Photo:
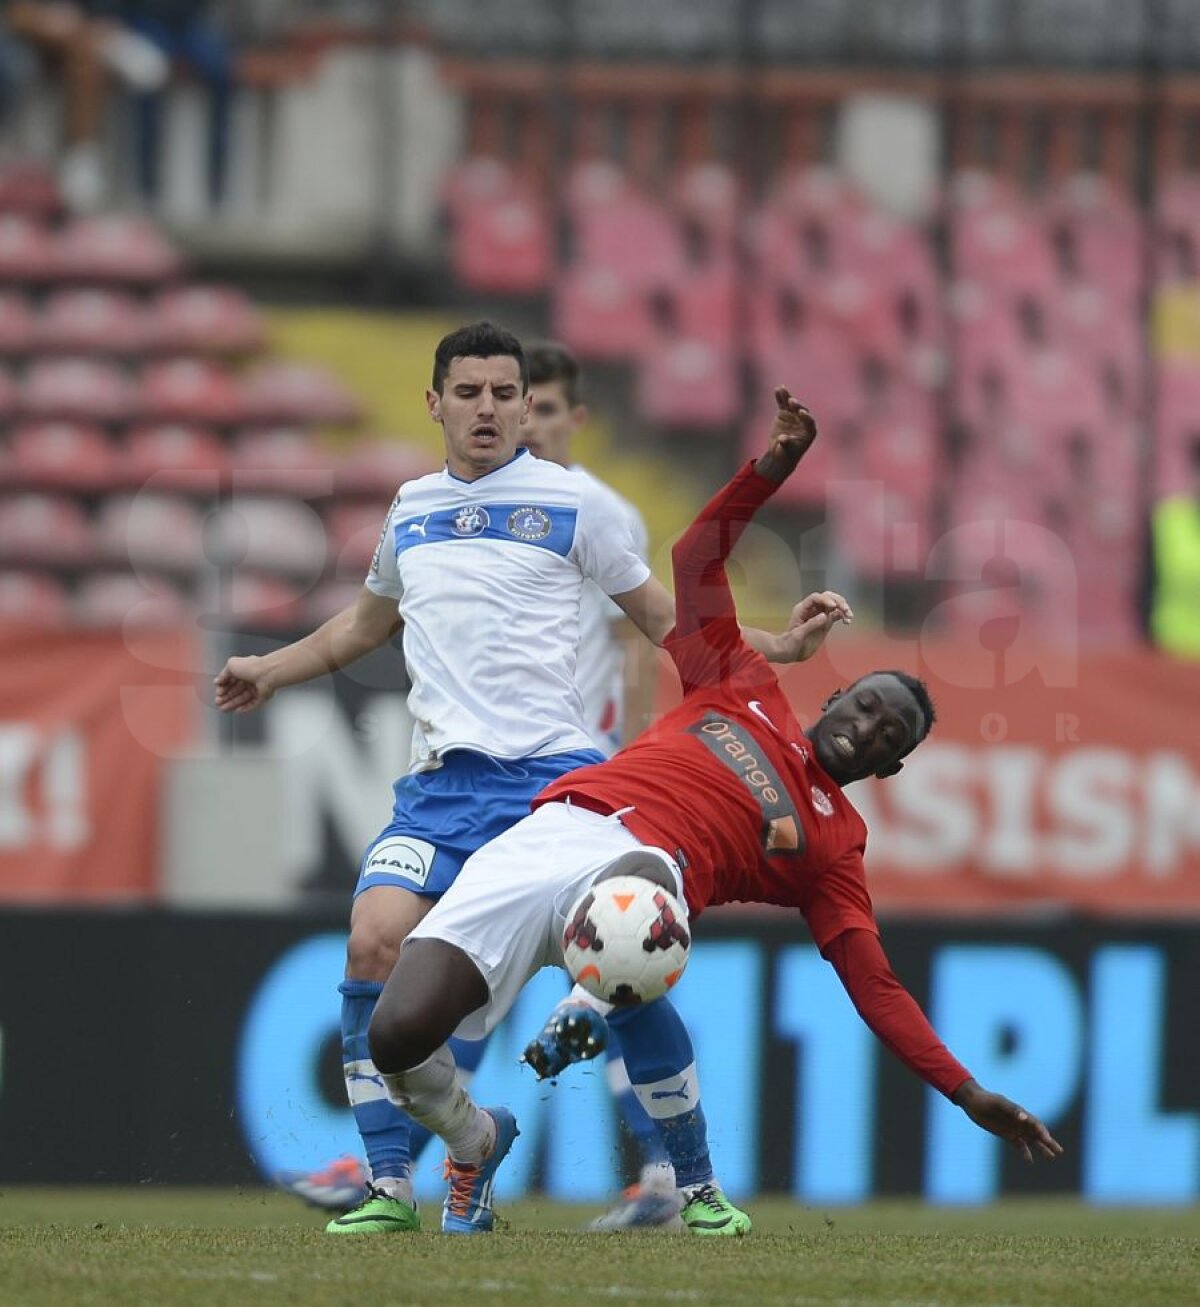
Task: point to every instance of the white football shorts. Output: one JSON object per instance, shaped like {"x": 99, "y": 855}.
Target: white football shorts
{"x": 508, "y": 907}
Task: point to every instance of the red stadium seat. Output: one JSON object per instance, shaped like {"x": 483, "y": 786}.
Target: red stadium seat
{"x": 601, "y": 314}
{"x": 879, "y": 530}
{"x": 480, "y": 179}
{"x": 48, "y": 529}
{"x": 115, "y": 248}
{"x": 818, "y": 191}
{"x": 62, "y": 455}
{"x": 16, "y": 324}
{"x": 297, "y": 393}
{"x": 207, "y": 320}
{"x": 594, "y": 183}
{"x": 282, "y": 460}
{"x": 175, "y": 457}
{"x": 503, "y": 247}
{"x": 35, "y": 597}
{"x": 380, "y": 467}
{"x": 27, "y": 250}
{"x": 704, "y": 303}
{"x": 633, "y": 236}
{"x": 903, "y": 455}
{"x": 1005, "y": 248}
{"x": 190, "y": 391}
{"x": 709, "y": 195}
{"x": 75, "y": 389}
{"x": 91, "y": 322}
{"x": 353, "y": 531}
{"x": 29, "y": 188}
{"x": 688, "y": 382}
{"x": 123, "y": 599}
{"x": 151, "y": 532}
{"x": 271, "y": 536}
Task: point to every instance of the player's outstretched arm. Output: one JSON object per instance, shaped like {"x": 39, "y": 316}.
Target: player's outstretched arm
{"x": 246, "y": 683}
{"x": 792, "y": 434}
{"x": 1001, "y": 1116}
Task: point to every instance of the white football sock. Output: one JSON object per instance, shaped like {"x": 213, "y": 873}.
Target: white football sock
{"x": 432, "y": 1095}
{"x": 395, "y": 1187}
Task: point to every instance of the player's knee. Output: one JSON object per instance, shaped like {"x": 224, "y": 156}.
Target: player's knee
{"x": 399, "y": 1038}
{"x": 372, "y": 949}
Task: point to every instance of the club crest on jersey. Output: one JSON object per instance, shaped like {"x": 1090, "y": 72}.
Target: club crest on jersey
{"x": 822, "y": 802}
{"x": 470, "y": 520}
{"x": 529, "y": 524}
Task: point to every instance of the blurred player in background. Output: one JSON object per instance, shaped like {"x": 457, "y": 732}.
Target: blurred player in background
{"x": 481, "y": 565}
{"x": 725, "y": 799}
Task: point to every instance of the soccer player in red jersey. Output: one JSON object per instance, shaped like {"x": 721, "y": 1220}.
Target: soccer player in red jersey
{"x": 726, "y": 799}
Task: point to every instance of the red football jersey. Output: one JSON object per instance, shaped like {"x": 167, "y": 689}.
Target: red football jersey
{"x": 727, "y": 782}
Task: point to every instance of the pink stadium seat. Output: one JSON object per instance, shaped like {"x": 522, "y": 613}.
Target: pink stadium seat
{"x": 1006, "y": 248}
{"x": 173, "y": 456}
{"x": 47, "y": 529}
{"x": 10, "y": 396}
{"x": 600, "y": 313}
{"x": 16, "y": 324}
{"x": 298, "y": 393}
{"x": 123, "y": 599}
{"x": 151, "y": 531}
{"x": 271, "y": 536}
{"x": 902, "y": 455}
{"x": 860, "y": 311}
{"x": 708, "y": 195}
{"x": 633, "y": 236}
{"x": 593, "y": 184}
{"x": 282, "y": 460}
{"x": 480, "y": 179}
{"x": 190, "y": 391}
{"x": 91, "y": 322}
{"x": 207, "y": 320}
{"x": 328, "y": 599}
{"x": 504, "y": 247}
{"x": 115, "y": 248}
{"x": 267, "y": 602}
{"x": 29, "y": 188}
{"x": 704, "y": 303}
{"x": 379, "y": 467}
{"x": 877, "y": 529}
{"x": 819, "y": 190}
{"x": 35, "y": 597}
{"x": 1056, "y": 395}
{"x": 688, "y": 382}
{"x": 26, "y": 249}
{"x": 85, "y": 390}
{"x": 353, "y": 530}
{"x": 62, "y": 455}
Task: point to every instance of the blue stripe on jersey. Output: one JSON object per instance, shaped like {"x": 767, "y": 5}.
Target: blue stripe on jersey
{"x": 524, "y": 524}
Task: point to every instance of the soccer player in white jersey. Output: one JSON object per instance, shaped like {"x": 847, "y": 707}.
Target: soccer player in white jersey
{"x": 481, "y": 564}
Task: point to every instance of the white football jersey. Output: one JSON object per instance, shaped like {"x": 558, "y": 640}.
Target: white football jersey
{"x": 488, "y": 576}
{"x": 600, "y": 671}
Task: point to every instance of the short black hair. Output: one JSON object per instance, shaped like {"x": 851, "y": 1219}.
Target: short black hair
{"x": 550, "y": 361}
{"x": 920, "y": 692}
{"x": 477, "y": 340}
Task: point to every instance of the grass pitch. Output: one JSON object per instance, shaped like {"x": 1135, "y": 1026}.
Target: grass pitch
{"x": 155, "y": 1247}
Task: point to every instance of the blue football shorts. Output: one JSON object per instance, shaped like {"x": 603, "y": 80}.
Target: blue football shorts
{"x": 441, "y": 817}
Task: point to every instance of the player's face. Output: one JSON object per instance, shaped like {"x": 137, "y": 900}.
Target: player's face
{"x": 867, "y": 729}
{"x": 481, "y": 409}
{"x": 552, "y": 422}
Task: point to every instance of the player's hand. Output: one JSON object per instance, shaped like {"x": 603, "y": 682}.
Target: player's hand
{"x": 811, "y": 621}
{"x": 1001, "y": 1116}
{"x": 242, "y": 685}
{"x": 792, "y": 432}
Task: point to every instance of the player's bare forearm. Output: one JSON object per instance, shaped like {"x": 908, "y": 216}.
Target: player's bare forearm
{"x": 641, "y": 682}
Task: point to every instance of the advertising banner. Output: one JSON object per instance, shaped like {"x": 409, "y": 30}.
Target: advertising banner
{"x": 189, "y": 1049}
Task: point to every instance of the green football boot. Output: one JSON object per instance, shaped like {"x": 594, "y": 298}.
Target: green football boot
{"x": 708, "y": 1211}
{"x": 378, "y": 1213}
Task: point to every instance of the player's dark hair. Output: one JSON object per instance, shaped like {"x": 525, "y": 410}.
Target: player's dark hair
{"x": 477, "y": 340}
{"x": 549, "y": 361}
{"x": 920, "y": 692}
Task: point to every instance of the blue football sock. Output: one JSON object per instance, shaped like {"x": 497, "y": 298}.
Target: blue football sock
{"x": 662, "y": 1070}
{"x": 468, "y": 1053}
{"x": 383, "y": 1127}
{"x": 637, "y": 1121}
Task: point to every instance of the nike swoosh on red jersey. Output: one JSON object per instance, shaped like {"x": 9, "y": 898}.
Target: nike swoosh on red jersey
{"x": 756, "y": 708}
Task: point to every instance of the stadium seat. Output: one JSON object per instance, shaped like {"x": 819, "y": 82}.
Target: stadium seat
{"x": 10, "y": 396}
{"x": 175, "y": 457}
{"x": 704, "y": 303}
{"x": 600, "y": 314}
{"x": 115, "y": 248}
{"x": 16, "y": 324}
{"x": 190, "y": 391}
{"x": 353, "y": 530}
{"x": 503, "y": 248}
{"x": 27, "y": 250}
{"x": 632, "y": 236}
{"x": 818, "y": 190}
{"x": 151, "y": 531}
{"x": 686, "y": 381}
{"x": 901, "y": 454}
{"x": 282, "y": 460}
{"x": 709, "y": 195}
{"x": 479, "y": 179}
{"x": 123, "y": 599}
{"x": 820, "y": 367}
{"x": 62, "y": 455}
{"x": 273, "y": 536}
{"x": 46, "y": 529}
{"x": 29, "y": 188}
{"x": 206, "y": 320}
{"x": 379, "y": 467}
{"x": 299, "y": 394}
{"x": 91, "y": 322}
{"x": 35, "y": 597}
{"x": 1005, "y": 248}
{"x": 878, "y": 530}
{"x": 75, "y": 389}
{"x": 593, "y": 184}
